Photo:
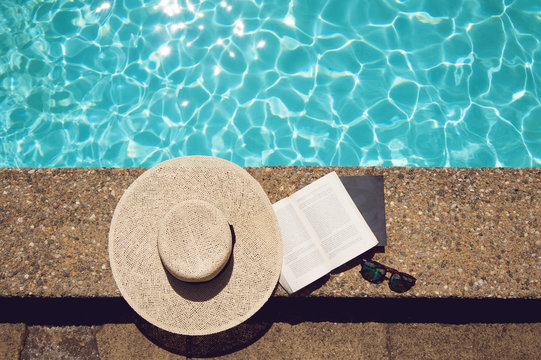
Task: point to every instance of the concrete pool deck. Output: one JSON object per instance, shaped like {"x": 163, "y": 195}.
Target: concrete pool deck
{"x": 462, "y": 232}
{"x": 306, "y": 340}
{"x": 470, "y": 236}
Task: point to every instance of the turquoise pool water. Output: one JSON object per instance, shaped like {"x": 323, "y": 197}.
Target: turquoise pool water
{"x": 271, "y": 82}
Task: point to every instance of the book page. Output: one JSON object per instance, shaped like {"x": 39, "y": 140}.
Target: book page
{"x": 341, "y": 230}
{"x": 303, "y": 260}
{"x": 321, "y": 230}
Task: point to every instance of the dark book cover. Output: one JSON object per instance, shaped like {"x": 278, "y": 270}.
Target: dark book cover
{"x": 367, "y": 194}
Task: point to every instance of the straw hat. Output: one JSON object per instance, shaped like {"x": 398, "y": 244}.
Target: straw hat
{"x": 195, "y": 246}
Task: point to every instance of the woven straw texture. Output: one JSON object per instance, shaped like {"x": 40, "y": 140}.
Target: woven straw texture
{"x": 194, "y": 241}
{"x": 239, "y": 290}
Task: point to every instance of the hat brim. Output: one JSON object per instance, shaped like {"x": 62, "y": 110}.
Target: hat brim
{"x": 242, "y": 287}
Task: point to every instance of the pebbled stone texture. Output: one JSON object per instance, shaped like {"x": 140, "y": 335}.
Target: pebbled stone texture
{"x": 12, "y": 338}
{"x": 279, "y": 340}
{"x": 462, "y": 232}
{"x": 126, "y": 341}
{"x": 467, "y": 341}
{"x": 307, "y": 340}
{"x": 67, "y": 342}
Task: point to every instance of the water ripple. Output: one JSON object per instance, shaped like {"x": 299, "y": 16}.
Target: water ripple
{"x": 269, "y": 82}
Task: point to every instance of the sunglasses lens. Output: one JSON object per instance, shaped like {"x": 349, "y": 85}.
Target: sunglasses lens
{"x": 401, "y": 282}
{"x": 372, "y": 272}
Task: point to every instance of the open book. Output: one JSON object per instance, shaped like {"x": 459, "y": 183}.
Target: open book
{"x": 321, "y": 230}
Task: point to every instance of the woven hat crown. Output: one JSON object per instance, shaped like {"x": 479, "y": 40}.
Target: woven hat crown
{"x": 194, "y": 241}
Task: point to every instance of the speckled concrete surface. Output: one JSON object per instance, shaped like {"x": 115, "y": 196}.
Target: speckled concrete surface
{"x": 125, "y": 341}
{"x": 306, "y": 340}
{"x": 467, "y": 341}
{"x": 11, "y": 340}
{"x": 462, "y": 232}
{"x": 67, "y": 342}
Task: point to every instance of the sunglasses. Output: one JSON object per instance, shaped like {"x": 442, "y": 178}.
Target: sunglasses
{"x": 375, "y": 273}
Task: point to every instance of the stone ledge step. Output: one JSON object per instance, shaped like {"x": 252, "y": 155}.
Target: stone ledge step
{"x": 308, "y": 340}
{"x": 462, "y": 232}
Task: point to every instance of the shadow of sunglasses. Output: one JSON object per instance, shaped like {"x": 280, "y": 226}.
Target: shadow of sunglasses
{"x": 375, "y": 273}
